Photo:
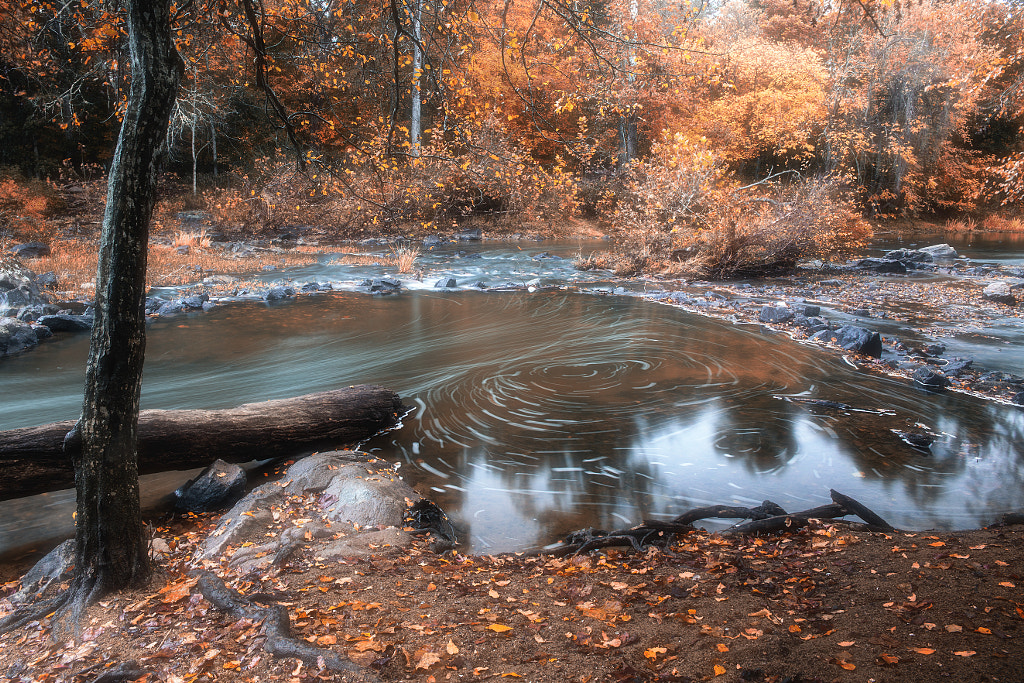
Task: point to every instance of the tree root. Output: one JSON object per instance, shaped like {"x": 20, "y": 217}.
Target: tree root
{"x": 280, "y": 641}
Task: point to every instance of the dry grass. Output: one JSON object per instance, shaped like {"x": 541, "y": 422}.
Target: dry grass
{"x": 404, "y": 257}
{"x": 961, "y": 225}
{"x": 193, "y": 240}
{"x": 74, "y": 264}
{"x": 996, "y": 223}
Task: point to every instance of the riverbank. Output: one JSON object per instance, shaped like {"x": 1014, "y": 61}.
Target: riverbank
{"x": 821, "y": 604}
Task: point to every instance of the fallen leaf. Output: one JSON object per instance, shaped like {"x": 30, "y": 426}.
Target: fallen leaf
{"x": 178, "y": 590}
{"x": 452, "y": 648}
{"x": 428, "y": 660}
{"x": 722, "y": 647}
{"x": 965, "y": 653}
{"x": 499, "y": 628}
{"x": 327, "y": 640}
{"x": 846, "y": 643}
{"x": 887, "y": 659}
{"x": 653, "y": 652}
{"x": 1008, "y": 584}
{"x": 719, "y": 669}
{"x": 923, "y": 650}
{"x": 953, "y": 628}
{"x": 986, "y": 631}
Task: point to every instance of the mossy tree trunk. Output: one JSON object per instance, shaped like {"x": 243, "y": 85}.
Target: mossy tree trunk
{"x": 111, "y": 548}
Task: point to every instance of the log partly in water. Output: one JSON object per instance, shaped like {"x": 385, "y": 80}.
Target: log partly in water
{"x": 32, "y": 459}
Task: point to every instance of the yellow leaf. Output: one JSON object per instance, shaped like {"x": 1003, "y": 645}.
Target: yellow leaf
{"x": 452, "y": 648}
{"x": 719, "y": 669}
{"x": 1008, "y": 584}
{"x": 722, "y": 647}
{"x": 982, "y": 629}
{"x": 499, "y": 628}
{"x": 923, "y": 650}
{"x": 965, "y": 653}
{"x": 653, "y": 652}
{"x": 846, "y": 643}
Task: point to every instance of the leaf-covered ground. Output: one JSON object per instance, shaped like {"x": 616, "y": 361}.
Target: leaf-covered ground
{"x": 820, "y": 604}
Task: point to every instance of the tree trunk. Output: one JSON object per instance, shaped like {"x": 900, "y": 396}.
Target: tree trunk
{"x": 33, "y": 459}
{"x": 415, "y": 116}
{"x": 110, "y": 546}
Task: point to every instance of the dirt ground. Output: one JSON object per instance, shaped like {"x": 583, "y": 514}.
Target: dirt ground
{"x": 820, "y": 604}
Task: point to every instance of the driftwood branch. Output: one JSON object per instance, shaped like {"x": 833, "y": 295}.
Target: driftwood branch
{"x": 34, "y": 460}
{"x": 768, "y": 517}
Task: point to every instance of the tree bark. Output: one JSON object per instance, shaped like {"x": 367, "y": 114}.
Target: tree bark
{"x": 33, "y": 459}
{"x": 110, "y": 546}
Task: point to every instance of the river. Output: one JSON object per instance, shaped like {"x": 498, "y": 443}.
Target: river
{"x": 538, "y": 412}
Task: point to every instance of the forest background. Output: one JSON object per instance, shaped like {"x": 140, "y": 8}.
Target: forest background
{"x": 719, "y": 138}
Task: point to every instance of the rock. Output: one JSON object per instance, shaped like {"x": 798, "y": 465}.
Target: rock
{"x": 30, "y": 250}
{"x": 930, "y": 379}
{"x": 853, "y": 338}
{"x": 957, "y": 366}
{"x": 1001, "y": 293}
{"x": 218, "y": 486}
{"x": 17, "y": 285}
{"x": 908, "y": 255}
{"x": 445, "y": 282}
{"x": 371, "y": 542}
{"x": 279, "y": 293}
{"x": 54, "y": 565}
{"x": 194, "y": 301}
{"x": 1018, "y": 399}
{"x": 67, "y": 322}
{"x": 47, "y": 279}
{"x": 432, "y": 241}
{"x": 169, "y": 308}
{"x": 193, "y": 217}
{"x": 384, "y": 286}
{"x": 470, "y": 235}
{"x": 809, "y": 310}
{"x": 935, "y": 349}
{"x": 775, "y": 314}
{"x": 879, "y": 265}
{"x": 16, "y": 336}
{"x": 861, "y": 313}
{"x": 939, "y": 252}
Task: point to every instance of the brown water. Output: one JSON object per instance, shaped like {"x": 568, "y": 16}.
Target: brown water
{"x": 535, "y": 414}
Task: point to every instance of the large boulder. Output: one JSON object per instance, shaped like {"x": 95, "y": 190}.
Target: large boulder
{"x": 16, "y": 336}
{"x": 218, "y": 486}
{"x": 853, "y": 338}
{"x": 18, "y": 286}
{"x": 939, "y": 252}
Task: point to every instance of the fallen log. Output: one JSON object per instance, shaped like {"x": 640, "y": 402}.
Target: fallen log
{"x": 33, "y": 459}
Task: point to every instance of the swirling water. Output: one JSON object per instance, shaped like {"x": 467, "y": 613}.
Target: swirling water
{"x": 536, "y": 413}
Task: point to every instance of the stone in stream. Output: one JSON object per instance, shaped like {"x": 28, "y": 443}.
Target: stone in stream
{"x": 1000, "y": 293}
{"x": 853, "y": 338}
{"x": 939, "y": 251}
{"x": 67, "y": 322}
{"x": 1018, "y": 399}
{"x": 218, "y": 486}
{"x": 930, "y": 379}
{"x": 879, "y": 265}
{"x": 775, "y": 314}
{"x": 957, "y": 366}
{"x": 445, "y": 282}
{"x": 279, "y": 293}
{"x": 16, "y": 336}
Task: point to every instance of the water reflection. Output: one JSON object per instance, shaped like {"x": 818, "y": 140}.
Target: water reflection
{"x": 535, "y": 414}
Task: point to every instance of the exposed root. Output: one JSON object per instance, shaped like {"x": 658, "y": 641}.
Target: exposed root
{"x": 280, "y": 641}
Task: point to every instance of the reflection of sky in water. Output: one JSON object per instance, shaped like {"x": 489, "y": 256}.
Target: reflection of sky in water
{"x": 536, "y": 414}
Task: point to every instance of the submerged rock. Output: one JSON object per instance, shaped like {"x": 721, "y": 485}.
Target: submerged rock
{"x": 930, "y": 379}
{"x": 879, "y": 265}
{"x": 1000, "y": 293}
{"x": 67, "y": 322}
{"x": 445, "y": 282}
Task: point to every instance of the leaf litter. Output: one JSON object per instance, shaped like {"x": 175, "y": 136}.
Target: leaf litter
{"x": 821, "y": 603}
